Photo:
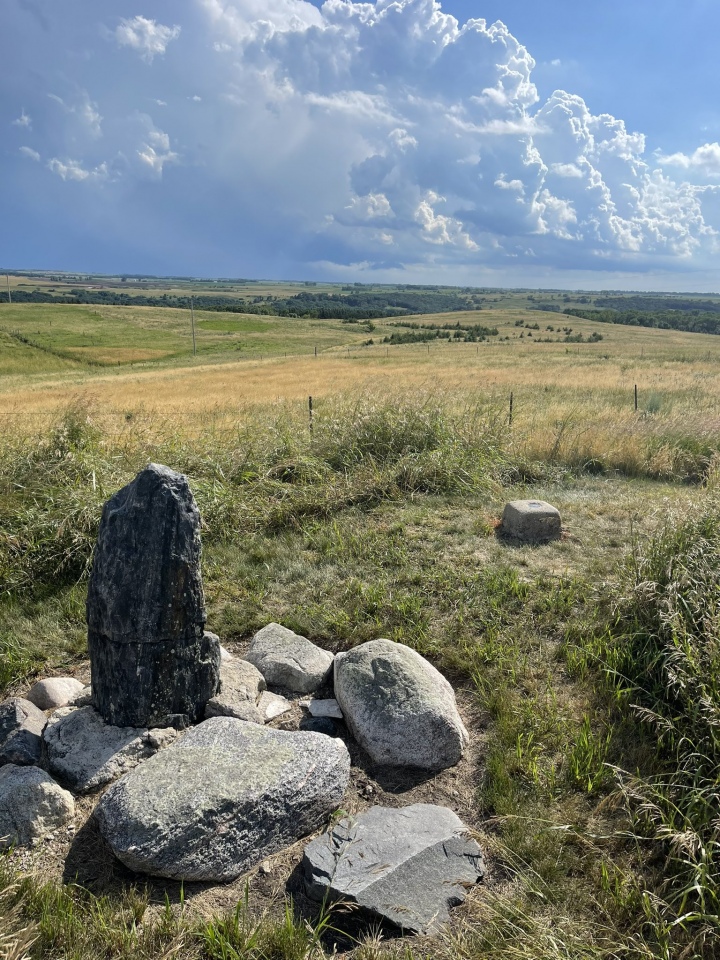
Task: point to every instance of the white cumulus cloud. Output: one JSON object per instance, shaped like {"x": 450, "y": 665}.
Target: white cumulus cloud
{"x": 705, "y": 160}
{"x": 23, "y": 121}
{"x": 148, "y": 37}
{"x": 29, "y": 152}
{"x": 156, "y": 152}
{"x": 73, "y": 170}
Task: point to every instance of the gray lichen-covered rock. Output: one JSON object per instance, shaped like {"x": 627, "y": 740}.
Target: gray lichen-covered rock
{"x": 86, "y": 753}
{"x": 240, "y": 687}
{"x": 54, "y": 692}
{"x": 21, "y": 727}
{"x": 288, "y": 660}
{"x": 406, "y": 865}
{"x": 400, "y": 709}
{"x": 532, "y": 521}
{"x": 223, "y": 798}
{"x": 152, "y": 663}
{"x": 32, "y": 805}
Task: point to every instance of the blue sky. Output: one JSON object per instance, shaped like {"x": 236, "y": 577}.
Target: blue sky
{"x": 568, "y": 144}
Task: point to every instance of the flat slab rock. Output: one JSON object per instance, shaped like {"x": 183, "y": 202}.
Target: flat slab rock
{"x": 408, "y": 866}
{"x": 21, "y": 727}
{"x": 54, "y": 692}
{"x": 532, "y": 521}
{"x": 222, "y": 799}
{"x": 32, "y": 805}
{"x": 86, "y": 753}
{"x": 288, "y": 660}
{"x": 399, "y": 708}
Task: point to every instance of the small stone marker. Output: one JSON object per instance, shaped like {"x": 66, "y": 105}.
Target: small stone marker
{"x": 532, "y": 521}
{"x": 152, "y": 663}
{"x": 21, "y": 727}
{"x": 222, "y": 799}
{"x": 54, "y": 692}
{"x": 407, "y": 865}
{"x": 31, "y": 805}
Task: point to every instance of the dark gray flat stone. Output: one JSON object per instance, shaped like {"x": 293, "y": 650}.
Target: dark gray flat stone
{"x": 408, "y": 866}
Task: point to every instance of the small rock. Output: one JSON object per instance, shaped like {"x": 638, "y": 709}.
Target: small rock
{"x": 86, "y": 753}
{"x": 288, "y": 660}
{"x": 265, "y": 867}
{"x": 21, "y": 727}
{"x": 221, "y": 799}
{"x": 407, "y": 866}
{"x": 32, "y": 806}
{"x": 225, "y": 654}
{"x": 399, "y": 707}
{"x": 323, "y": 708}
{"x": 532, "y": 521}
{"x": 54, "y": 692}
{"x": 240, "y": 686}
{"x": 272, "y": 705}
{"x": 320, "y": 725}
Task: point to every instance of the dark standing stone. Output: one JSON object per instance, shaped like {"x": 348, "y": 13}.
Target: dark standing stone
{"x": 152, "y": 663}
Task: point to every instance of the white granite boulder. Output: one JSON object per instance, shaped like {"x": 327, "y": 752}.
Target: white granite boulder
{"x": 406, "y": 865}
{"x": 54, "y": 692}
{"x": 288, "y": 660}
{"x": 32, "y": 805}
{"x": 21, "y": 727}
{"x": 86, "y": 753}
{"x": 221, "y": 799}
{"x": 399, "y": 708}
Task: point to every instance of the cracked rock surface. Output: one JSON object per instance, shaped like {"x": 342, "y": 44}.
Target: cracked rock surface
{"x": 406, "y": 865}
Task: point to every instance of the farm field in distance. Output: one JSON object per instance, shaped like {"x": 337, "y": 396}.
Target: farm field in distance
{"x": 586, "y": 670}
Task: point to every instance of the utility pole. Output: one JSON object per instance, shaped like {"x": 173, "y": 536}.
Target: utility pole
{"x": 192, "y": 321}
{"x": 7, "y": 277}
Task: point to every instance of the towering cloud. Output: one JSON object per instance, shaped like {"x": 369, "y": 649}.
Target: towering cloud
{"x": 366, "y": 136}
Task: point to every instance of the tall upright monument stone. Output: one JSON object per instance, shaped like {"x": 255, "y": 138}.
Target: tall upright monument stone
{"x": 152, "y": 663}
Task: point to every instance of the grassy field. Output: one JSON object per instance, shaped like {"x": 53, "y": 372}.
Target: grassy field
{"x": 586, "y": 670}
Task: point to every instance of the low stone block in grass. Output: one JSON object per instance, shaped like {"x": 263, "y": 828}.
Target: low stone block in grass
{"x": 531, "y": 521}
